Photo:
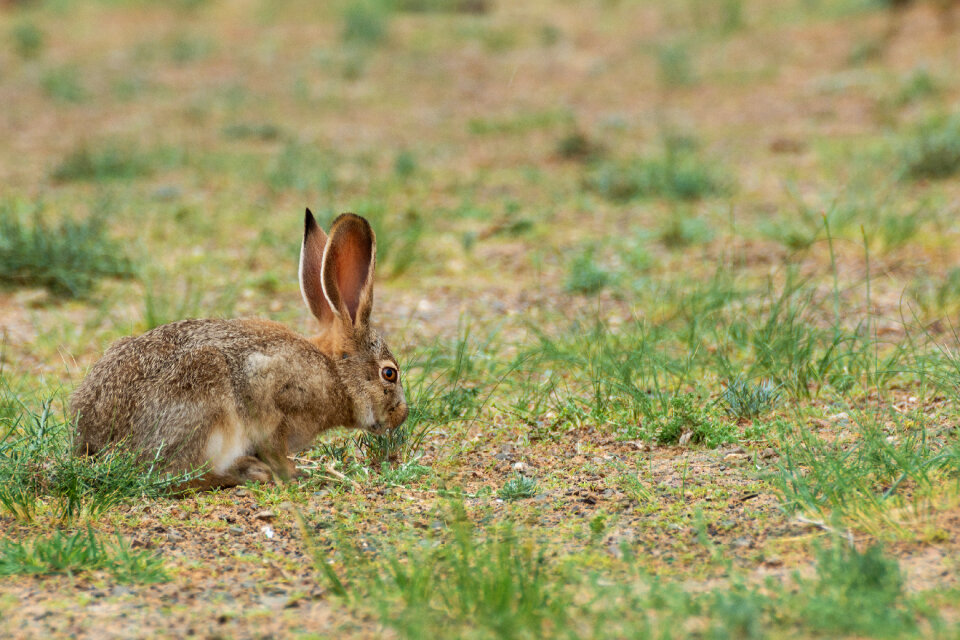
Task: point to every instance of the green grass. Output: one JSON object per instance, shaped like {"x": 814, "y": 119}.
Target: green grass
{"x": 862, "y": 473}
{"x": 64, "y": 85}
{"x": 657, "y": 382}
{"x": 366, "y": 22}
{"x": 675, "y": 69}
{"x": 67, "y": 258}
{"x": 39, "y": 475}
{"x": 301, "y": 168}
{"x": 500, "y": 584}
{"x": 264, "y": 131}
{"x": 687, "y": 421}
{"x": 676, "y": 174}
{"x": 933, "y": 151}
{"x": 83, "y": 551}
{"x": 28, "y": 39}
{"x": 495, "y": 587}
{"x": 112, "y": 161}
{"x": 585, "y": 275}
{"x": 744, "y": 398}
{"x": 518, "y": 487}
{"x": 681, "y": 231}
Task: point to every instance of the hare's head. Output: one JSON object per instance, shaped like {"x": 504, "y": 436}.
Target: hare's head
{"x": 336, "y": 279}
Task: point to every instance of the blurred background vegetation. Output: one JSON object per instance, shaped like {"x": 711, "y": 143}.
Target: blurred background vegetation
{"x": 702, "y": 231}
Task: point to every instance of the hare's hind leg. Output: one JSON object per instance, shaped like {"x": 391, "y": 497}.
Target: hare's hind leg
{"x": 244, "y": 469}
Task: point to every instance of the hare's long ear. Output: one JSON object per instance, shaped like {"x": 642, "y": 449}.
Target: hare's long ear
{"x": 348, "y": 266}
{"x": 311, "y": 270}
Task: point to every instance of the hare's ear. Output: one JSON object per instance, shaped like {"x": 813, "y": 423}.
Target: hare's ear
{"x": 348, "y": 266}
{"x": 311, "y": 270}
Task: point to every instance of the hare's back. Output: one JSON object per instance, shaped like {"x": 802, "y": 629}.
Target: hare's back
{"x": 158, "y": 387}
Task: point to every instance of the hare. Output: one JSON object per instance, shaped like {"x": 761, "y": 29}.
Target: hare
{"x": 236, "y": 397}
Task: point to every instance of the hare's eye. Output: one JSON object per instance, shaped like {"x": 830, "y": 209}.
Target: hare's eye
{"x": 389, "y": 374}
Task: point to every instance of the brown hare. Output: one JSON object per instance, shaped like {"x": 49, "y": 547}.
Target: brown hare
{"x": 236, "y": 397}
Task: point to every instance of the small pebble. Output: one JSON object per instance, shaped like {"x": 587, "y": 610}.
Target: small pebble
{"x": 265, "y": 515}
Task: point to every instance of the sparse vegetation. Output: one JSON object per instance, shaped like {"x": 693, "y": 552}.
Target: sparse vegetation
{"x": 39, "y": 475}
{"x": 109, "y": 162}
{"x": 687, "y": 422}
{"x": 365, "y": 22}
{"x": 933, "y": 153}
{"x": 68, "y": 258}
{"x": 518, "y": 487}
{"x": 677, "y": 173}
{"x": 673, "y": 287}
{"x": 28, "y": 40}
{"x": 82, "y": 551}
{"x": 63, "y": 85}
{"x": 743, "y": 398}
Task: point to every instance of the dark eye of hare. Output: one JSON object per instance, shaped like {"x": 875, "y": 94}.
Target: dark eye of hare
{"x": 389, "y": 374}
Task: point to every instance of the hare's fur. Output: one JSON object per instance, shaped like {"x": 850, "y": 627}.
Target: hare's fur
{"x": 236, "y": 397}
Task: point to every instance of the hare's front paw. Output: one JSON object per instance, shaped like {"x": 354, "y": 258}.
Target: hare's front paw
{"x": 253, "y": 469}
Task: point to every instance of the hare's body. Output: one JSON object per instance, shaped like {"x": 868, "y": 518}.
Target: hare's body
{"x": 210, "y": 392}
{"x": 235, "y": 397}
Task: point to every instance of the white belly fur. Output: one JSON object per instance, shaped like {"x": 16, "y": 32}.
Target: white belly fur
{"x": 224, "y": 446}
{"x": 232, "y": 438}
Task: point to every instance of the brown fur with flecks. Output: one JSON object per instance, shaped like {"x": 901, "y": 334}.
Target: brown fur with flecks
{"x": 239, "y": 396}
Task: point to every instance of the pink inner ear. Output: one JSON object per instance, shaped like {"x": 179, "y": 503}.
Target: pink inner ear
{"x": 352, "y": 268}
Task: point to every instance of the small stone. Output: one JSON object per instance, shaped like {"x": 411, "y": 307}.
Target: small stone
{"x": 266, "y": 514}
{"x": 236, "y": 530}
{"x": 615, "y": 550}
{"x": 742, "y": 542}
{"x": 167, "y": 192}
{"x": 174, "y": 536}
{"x": 772, "y": 561}
{"x": 241, "y": 492}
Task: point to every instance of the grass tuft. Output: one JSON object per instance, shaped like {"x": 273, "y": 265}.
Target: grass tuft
{"x": 365, "y": 22}
{"x": 111, "y": 162}
{"x": 60, "y": 553}
{"x": 28, "y": 40}
{"x": 38, "y": 471}
{"x": 585, "y": 275}
{"x": 686, "y": 421}
{"x": 745, "y": 399}
{"x": 63, "y": 85}
{"x": 67, "y": 258}
{"x": 933, "y": 153}
{"x": 518, "y": 487}
{"x": 464, "y": 585}
{"x": 677, "y": 174}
